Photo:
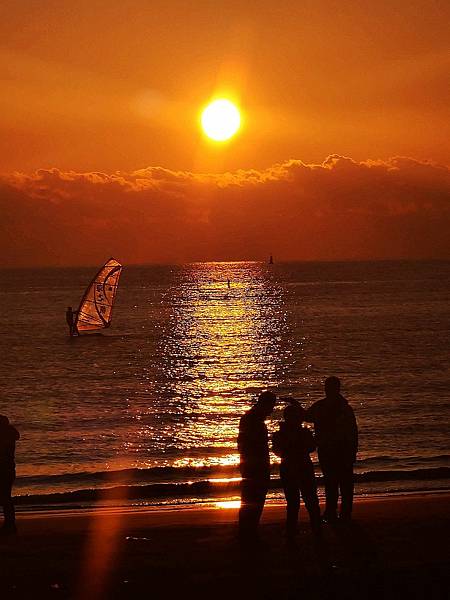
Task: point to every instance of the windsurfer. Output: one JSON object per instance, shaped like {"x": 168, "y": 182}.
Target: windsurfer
{"x": 95, "y": 309}
{"x": 70, "y": 318}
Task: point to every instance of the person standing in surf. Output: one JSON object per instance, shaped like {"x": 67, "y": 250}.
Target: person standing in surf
{"x": 253, "y": 445}
{"x": 336, "y": 433}
{"x": 8, "y": 438}
{"x": 70, "y": 318}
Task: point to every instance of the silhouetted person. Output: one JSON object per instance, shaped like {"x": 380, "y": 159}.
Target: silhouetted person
{"x": 8, "y": 437}
{"x": 253, "y": 444}
{"x": 293, "y": 443}
{"x": 336, "y": 434}
{"x": 70, "y": 318}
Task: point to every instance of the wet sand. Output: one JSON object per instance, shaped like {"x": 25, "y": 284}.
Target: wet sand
{"x": 397, "y": 547}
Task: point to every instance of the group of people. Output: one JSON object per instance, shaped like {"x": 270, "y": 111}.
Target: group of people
{"x": 335, "y": 437}
{"x": 336, "y": 440}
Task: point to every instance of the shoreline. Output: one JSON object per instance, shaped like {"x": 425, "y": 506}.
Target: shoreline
{"x": 212, "y": 489}
{"x": 206, "y": 502}
{"x": 271, "y": 509}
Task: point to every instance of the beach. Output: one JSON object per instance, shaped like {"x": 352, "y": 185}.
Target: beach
{"x": 397, "y": 547}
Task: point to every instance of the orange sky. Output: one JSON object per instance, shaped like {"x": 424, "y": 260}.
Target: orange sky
{"x": 98, "y": 86}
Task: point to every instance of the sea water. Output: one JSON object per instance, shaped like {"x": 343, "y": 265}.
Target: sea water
{"x": 154, "y": 403}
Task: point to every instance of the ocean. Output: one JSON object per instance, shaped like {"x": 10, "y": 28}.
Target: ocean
{"x": 148, "y": 412}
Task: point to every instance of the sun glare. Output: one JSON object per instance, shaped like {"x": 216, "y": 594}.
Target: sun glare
{"x": 220, "y": 120}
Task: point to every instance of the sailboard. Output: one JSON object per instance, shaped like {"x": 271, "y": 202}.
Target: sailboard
{"x": 95, "y": 310}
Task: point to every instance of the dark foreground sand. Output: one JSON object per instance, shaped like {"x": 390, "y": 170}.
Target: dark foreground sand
{"x": 398, "y": 547}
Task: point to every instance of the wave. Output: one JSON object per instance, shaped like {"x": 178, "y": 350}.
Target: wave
{"x": 207, "y": 487}
{"x": 412, "y": 460}
{"x": 132, "y": 474}
{"x": 171, "y": 473}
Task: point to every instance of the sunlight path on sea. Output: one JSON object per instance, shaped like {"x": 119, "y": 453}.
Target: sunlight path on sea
{"x": 224, "y": 341}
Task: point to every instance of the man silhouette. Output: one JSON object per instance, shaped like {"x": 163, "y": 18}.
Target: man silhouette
{"x": 8, "y": 437}
{"x": 253, "y": 445}
{"x": 336, "y": 434}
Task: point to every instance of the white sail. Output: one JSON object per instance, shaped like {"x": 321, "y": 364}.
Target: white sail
{"x": 95, "y": 311}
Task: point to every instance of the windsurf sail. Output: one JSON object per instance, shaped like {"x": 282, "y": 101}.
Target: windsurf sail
{"x": 95, "y": 311}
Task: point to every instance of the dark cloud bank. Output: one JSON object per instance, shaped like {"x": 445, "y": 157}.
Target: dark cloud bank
{"x": 340, "y": 209}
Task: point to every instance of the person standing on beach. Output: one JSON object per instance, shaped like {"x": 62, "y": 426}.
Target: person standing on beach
{"x": 336, "y": 433}
{"x": 253, "y": 445}
{"x": 8, "y": 438}
{"x": 293, "y": 443}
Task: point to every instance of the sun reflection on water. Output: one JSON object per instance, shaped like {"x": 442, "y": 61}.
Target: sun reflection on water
{"x": 223, "y": 339}
{"x": 207, "y": 461}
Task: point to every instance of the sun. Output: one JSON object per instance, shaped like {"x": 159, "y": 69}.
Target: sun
{"x": 220, "y": 120}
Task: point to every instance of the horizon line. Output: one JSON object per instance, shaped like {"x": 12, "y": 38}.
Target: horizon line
{"x": 241, "y": 261}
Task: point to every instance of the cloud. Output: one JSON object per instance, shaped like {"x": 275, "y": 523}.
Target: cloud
{"x": 340, "y": 209}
